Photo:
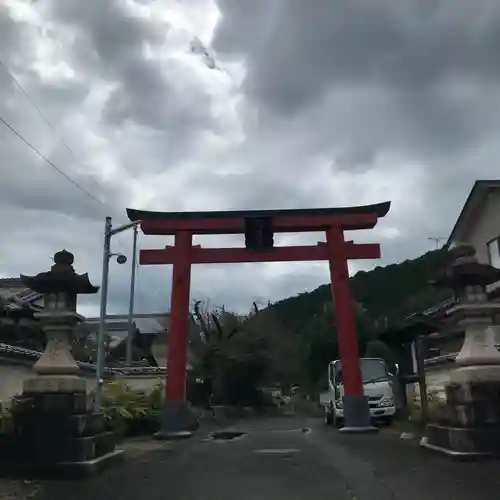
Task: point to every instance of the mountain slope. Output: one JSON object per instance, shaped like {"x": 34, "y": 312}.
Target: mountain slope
{"x": 385, "y": 294}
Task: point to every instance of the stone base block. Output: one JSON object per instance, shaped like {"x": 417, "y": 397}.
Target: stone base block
{"x": 67, "y": 403}
{"x": 473, "y": 442}
{"x": 54, "y": 383}
{"x": 177, "y": 421}
{"x": 473, "y": 392}
{"x": 86, "y": 424}
{"x": 53, "y": 432}
{"x": 472, "y": 404}
{"x": 454, "y": 455}
{"x": 76, "y": 449}
{"x": 46, "y": 449}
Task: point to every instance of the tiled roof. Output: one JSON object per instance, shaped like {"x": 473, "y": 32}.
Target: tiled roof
{"x": 117, "y": 328}
{"x": 28, "y": 354}
{"x": 10, "y": 282}
{"x": 20, "y": 298}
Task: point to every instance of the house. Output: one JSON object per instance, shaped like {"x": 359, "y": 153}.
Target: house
{"x": 19, "y": 326}
{"x": 16, "y": 296}
{"x": 478, "y": 224}
{"x": 441, "y": 342}
{"x": 22, "y": 342}
{"x": 149, "y": 337}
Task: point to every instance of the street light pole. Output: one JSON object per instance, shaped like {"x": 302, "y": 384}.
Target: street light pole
{"x": 130, "y": 336}
{"x": 102, "y": 316}
{"x": 109, "y": 231}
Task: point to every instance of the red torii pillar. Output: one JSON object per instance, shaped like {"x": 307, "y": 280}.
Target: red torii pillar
{"x": 177, "y": 420}
{"x": 175, "y": 388}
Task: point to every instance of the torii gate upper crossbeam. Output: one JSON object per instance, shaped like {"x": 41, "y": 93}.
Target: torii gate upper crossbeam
{"x": 284, "y": 221}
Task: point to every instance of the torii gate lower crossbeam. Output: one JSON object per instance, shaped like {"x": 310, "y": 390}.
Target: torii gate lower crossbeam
{"x": 259, "y": 227}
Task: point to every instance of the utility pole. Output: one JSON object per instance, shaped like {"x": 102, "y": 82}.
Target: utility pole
{"x": 102, "y": 315}
{"x": 130, "y": 336}
{"x": 109, "y": 231}
{"x": 436, "y": 240}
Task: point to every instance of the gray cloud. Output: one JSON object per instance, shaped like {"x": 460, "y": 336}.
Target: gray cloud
{"x": 379, "y": 89}
{"x": 339, "y": 105}
{"x": 149, "y": 94}
{"x": 410, "y": 77}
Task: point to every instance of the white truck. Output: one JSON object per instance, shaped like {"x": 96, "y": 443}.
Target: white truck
{"x": 377, "y": 385}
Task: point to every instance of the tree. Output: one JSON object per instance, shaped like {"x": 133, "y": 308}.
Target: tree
{"x": 230, "y": 360}
{"x": 283, "y": 345}
{"x": 320, "y": 341}
{"x": 378, "y": 349}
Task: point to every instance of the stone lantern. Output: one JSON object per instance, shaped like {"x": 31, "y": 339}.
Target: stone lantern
{"x": 56, "y": 369}
{"x": 470, "y": 422}
{"x": 56, "y": 430}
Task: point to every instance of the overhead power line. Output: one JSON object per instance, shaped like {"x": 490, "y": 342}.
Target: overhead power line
{"x": 42, "y": 156}
{"x": 46, "y": 160}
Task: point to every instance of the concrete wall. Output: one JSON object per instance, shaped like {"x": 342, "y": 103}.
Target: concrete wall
{"x": 141, "y": 382}
{"x": 13, "y": 375}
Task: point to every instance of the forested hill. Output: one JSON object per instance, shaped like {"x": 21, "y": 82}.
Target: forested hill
{"x": 391, "y": 292}
{"x": 297, "y": 336}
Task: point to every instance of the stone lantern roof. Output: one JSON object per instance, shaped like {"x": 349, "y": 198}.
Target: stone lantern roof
{"x": 61, "y": 278}
{"x": 466, "y": 271}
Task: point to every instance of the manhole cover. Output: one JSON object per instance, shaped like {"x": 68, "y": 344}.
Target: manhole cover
{"x": 225, "y": 435}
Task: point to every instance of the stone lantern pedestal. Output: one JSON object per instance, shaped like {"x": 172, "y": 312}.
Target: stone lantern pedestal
{"x": 469, "y": 425}
{"x": 57, "y": 433}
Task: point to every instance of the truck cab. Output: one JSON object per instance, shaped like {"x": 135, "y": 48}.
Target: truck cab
{"x": 378, "y": 388}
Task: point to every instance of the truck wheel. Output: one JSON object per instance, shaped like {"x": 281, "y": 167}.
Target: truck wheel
{"x": 328, "y": 416}
{"x": 387, "y": 421}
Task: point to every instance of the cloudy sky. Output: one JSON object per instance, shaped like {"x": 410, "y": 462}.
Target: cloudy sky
{"x": 297, "y": 104}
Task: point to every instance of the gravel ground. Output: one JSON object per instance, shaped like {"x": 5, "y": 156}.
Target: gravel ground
{"x": 278, "y": 459}
{"x": 14, "y": 489}
{"x": 18, "y": 489}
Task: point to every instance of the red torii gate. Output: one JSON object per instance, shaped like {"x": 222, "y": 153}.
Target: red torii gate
{"x": 259, "y": 227}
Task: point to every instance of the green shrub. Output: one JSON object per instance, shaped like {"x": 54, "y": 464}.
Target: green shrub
{"x": 128, "y": 412}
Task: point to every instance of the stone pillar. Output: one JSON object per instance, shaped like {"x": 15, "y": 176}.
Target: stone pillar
{"x": 56, "y": 431}
{"x": 56, "y": 370}
{"x": 469, "y": 425}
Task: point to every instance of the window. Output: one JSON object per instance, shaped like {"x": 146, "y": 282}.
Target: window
{"x": 494, "y": 252}
{"x": 372, "y": 369}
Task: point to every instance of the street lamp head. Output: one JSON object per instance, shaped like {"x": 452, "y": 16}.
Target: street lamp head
{"x": 121, "y": 259}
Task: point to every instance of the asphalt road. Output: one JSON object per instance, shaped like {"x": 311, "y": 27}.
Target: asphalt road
{"x": 292, "y": 459}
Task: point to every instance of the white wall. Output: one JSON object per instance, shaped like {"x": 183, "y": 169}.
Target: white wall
{"x": 436, "y": 378}
{"x": 11, "y": 380}
{"x": 12, "y": 377}
{"x": 141, "y": 382}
